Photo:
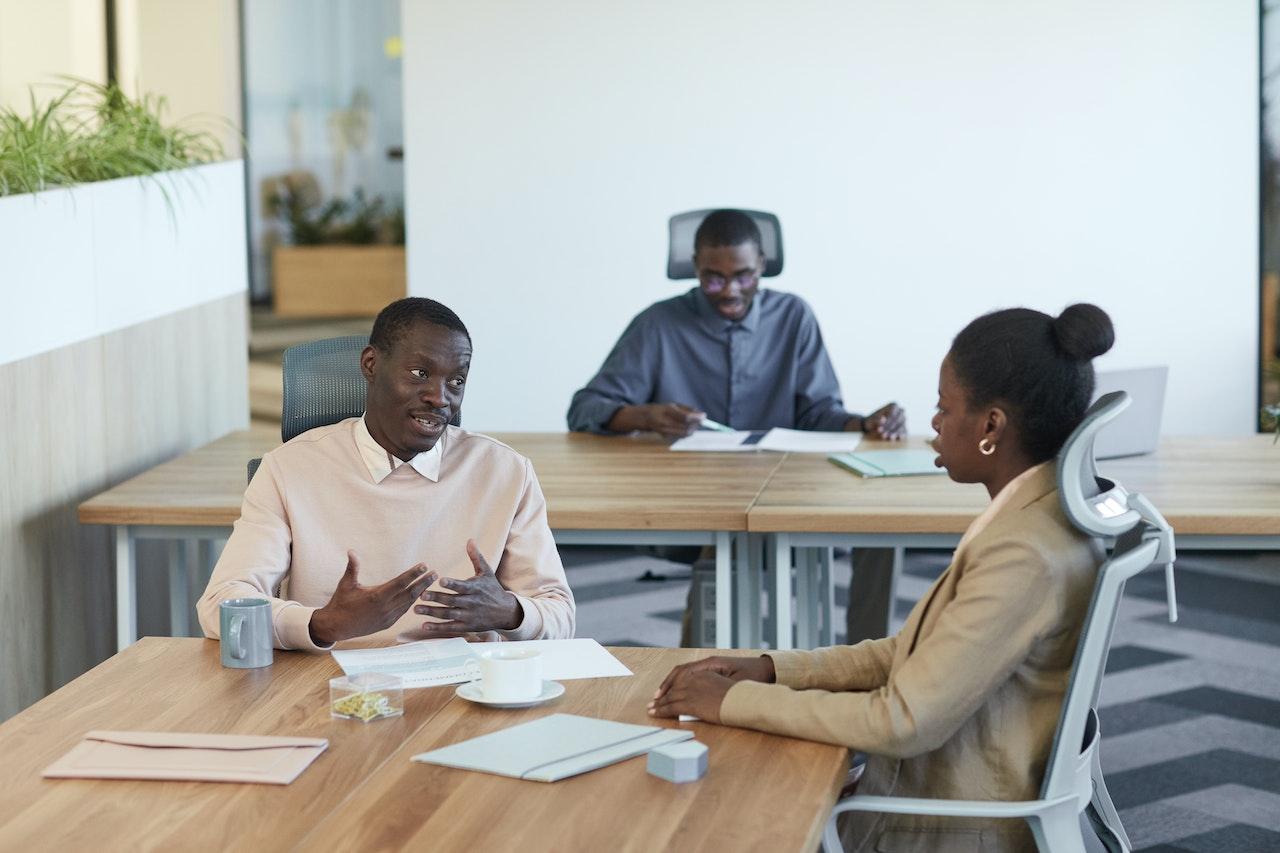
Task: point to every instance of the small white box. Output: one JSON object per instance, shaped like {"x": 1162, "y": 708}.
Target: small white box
{"x": 685, "y": 761}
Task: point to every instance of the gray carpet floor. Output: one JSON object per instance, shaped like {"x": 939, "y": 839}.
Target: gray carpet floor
{"x": 1190, "y": 712}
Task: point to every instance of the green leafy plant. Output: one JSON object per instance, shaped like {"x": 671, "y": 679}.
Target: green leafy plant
{"x": 295, "y": 201}
{"x": 91, "y": 132}
{"x": 1269, "y": 415}
{"x": 1271, "y": 420}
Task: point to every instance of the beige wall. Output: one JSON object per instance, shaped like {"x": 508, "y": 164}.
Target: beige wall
{"x": 186, "y": 50}
{"x": 189, "y": 52}
{"x": 83, "y": 418}
{"x": 41, "y": 39}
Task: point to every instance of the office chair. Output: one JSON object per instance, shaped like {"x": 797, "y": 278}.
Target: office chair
{"x": 323, "y": 384}
{"x": 1073, "y": 794}
{"x": 683, "y": 226}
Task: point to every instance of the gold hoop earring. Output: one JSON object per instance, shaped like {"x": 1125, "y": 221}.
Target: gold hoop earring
{"x": 986, "y": 447}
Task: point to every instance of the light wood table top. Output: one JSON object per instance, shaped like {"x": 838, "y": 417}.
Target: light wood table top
{"x": 591, "y": 483}
{"x": 637, "y": 482}
{"x": 200, "y": 488}
{"x": 179, "y": 685}
{"x": 761, "y": 791}
{"x": 1203, "y": 486}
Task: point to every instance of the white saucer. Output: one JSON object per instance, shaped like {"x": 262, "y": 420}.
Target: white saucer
{"x": 471, "y": 692}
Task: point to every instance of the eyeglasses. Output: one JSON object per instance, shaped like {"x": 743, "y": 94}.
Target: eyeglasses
{"x": 714, "y": 282}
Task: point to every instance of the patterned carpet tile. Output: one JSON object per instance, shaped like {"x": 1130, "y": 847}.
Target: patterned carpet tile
{"x": 1141, "y": 747}
{"x": 1133, "y": 656}
{"x": 1121, "y": 719}
{"x": 1248, "y": 599}
{"x": 1227, "y": 703}
{"x": 1236, "y": 838}
{"x": 1156, "y": 824}
{"x": 1208, "y": 769}
{"x": 1236, "y": 803}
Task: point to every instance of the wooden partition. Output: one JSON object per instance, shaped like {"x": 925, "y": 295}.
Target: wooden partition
{"x": 78, "y": 420}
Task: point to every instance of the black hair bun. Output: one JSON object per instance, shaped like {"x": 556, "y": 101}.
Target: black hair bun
{"x": 1083, "y": 332}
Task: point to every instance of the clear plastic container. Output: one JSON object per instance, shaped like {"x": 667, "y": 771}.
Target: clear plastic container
{"x": 366, "y": 697}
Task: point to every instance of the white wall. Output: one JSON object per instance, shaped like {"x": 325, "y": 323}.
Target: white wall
{"x": 929, "y": 161}
{"x": 97, "y": 258}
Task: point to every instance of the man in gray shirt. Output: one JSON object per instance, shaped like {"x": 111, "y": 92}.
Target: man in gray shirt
{"x": 748, "y": 358}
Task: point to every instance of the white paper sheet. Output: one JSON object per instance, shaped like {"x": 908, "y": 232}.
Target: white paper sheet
{"x": 714, "y": 441}
{"x": 567, "y": 659}
{"x": 805, "y": 441}
{"x": 430, "y": 663}
{"x": 426, "y": 663}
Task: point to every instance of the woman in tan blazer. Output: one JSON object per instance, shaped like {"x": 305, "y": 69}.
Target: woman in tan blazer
{"x": 963, "y": 702}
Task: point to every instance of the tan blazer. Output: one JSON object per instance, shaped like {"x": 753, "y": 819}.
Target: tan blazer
{"x": 964, "y": 701}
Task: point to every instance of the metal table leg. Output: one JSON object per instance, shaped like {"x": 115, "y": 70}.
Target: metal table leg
{"x": 805, "y": 627}
{"x": 724, "y": 591}
{"x": 179, "y": 588}
{"x": 781, "y": 552}
{"x": 126, "y": 587}
{"x": 827, "y": 589}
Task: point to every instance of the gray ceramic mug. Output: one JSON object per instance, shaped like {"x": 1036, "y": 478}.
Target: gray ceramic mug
{"x": 246, "y": 632}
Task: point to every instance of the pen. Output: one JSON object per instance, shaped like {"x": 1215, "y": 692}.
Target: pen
{"x": 710, "y": 424}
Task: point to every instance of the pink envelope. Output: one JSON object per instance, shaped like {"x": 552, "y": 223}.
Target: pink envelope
{"x": 190, "y": 757}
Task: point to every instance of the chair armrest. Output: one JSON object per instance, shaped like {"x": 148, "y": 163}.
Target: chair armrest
{"x": 947, "y": 808}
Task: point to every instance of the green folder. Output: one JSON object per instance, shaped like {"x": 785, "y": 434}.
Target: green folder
{"x": 888, "y": 463}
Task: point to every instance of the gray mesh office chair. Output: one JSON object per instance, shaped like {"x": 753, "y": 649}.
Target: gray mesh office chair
{"x": 1073, "y": 796}
{"x": 683, "y": 226}
{"x": 323, "y": 384}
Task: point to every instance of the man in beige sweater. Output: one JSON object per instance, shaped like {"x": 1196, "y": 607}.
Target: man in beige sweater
{"x": 395, "y": 525}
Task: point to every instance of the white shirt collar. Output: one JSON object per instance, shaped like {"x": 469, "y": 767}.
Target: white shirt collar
{"x": 382, "y": 462}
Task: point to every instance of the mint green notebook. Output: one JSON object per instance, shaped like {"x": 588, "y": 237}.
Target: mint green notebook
{"x": 888, "y": 463}
{"x": 553, "y": 747}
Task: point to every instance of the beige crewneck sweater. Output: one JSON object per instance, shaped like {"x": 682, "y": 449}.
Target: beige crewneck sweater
{"x": 316, "y": 497}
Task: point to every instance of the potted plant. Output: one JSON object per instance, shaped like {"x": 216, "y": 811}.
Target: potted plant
{"x": 344, "y": 257}
{"x": 117, "y": 217}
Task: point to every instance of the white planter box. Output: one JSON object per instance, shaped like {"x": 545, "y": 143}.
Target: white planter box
{"x": 81, "y": 262}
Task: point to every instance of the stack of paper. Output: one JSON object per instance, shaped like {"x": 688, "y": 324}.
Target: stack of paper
{"x": 888, "y": 463}
{"x": 805, "y": 441}
{"x": 426, "y": 663}
{"x": 429, "y": 663}
{"x": 719, "y": 442}
{"x": 778, "y": 439}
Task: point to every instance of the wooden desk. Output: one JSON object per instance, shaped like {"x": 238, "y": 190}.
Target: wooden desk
{"x": 591, "y": 483}
{"x": 618, "y": 490}
{"x": 1227, "y": 489}
{"x": 364, "y": 793}
{"x": 761, "y": 792}
{"x": 1217, "y": 493}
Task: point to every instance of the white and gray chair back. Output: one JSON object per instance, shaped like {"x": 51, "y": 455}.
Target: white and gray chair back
{"x": 1106, "y": 509}
{"x": 1073, "y": 793}
{"x": 323, "y": 384}
{"x": 684, "y": 226}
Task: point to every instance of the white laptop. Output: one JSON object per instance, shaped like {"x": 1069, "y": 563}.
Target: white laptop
{"x": 1137, "y": 429}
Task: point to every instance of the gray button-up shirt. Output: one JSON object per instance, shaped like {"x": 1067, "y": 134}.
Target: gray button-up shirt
{"x": 768, "y": 369}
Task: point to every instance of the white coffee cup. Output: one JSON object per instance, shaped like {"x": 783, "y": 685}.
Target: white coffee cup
{"x": 510, "y": 675}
